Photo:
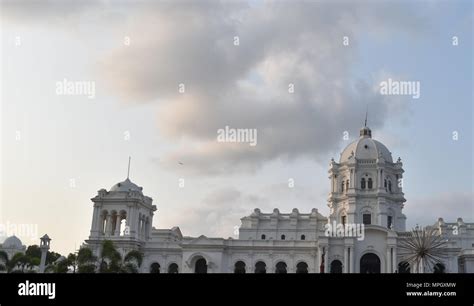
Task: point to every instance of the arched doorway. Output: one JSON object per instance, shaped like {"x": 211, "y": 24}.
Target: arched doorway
{"x": 336, "y": 266}
{"x": 302, "y": 267}
{"x": 280, "y": 267}
{"x": 404, "y": 267}
{"x": 201, "y": 266}
{"x": 370, "y": 263}
{"x": 260, "y": 267}
{"x": 239, "y": 267}
{"x": 155, "y": 268}
{"x": 173, "y": 269}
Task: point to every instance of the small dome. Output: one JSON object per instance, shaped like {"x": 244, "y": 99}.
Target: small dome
{"x": 12, "y": 243}
{"x": 366, "y": 148}
{"x": 126, "y": 186}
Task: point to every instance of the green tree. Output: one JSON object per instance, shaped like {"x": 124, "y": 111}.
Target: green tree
{"x": 72, "y": 261}
{"x": 4, "y": 261}
{"x": 85, "y": 261}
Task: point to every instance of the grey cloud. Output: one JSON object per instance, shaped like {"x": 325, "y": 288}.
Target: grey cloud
{"x": 447, "y": 205}
{"x": 246, "y": 86}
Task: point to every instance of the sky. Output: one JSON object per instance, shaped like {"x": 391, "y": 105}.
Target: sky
{"x": 58, "y": 150}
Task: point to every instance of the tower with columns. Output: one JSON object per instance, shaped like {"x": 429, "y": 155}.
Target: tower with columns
{"x": 366, "y": 185}
{"x": 123, "y": 214}
{"x": 44, "y": 247}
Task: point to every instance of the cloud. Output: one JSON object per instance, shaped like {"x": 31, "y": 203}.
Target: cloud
{"x": 219, "y": 213}
{"x": 447, "y": 205}
{"x": 247, "y": 86}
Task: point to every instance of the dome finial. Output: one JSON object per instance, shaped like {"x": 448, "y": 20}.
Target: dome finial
{"x": 128, "y": 171}
{"x": 366, "y": 112}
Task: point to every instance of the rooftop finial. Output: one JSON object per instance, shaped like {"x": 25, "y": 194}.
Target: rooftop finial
{"x": 128, "y": 171}
{"x": 366, "y": 112}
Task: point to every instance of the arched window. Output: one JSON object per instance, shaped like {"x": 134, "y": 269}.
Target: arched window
{"x": 385, "y": 184}
{"x": 173, "y": 269}
{"x": 239, "y": 267}
{"x": 280, "y": 267}
{"x": 283, "y": 237}
{"x": 342, "y": 186}
{"x": 155, "y": 268}
{"x": 369, "y": 183}
{"x": 201, "y": 266}
{"x": 303, "y": 237}
{"x": 347, "y": 185}
{"x": 263, "y": 237}
{"x": 336, "y": 266}
{"x": 403, "y": 267}
{"x": 390, "y": 186}
{"x": 343, "y": 220}
{"x": 302, "y": 267}
{"x": 362, "y": 183}
{"x": 260, "y": 267}
{"x": 439, "y": 268}
{"x": 367, "y": 219}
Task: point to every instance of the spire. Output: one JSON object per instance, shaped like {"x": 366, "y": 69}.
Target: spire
{"x": 128, "y": 171}
{"x": 365, "y": 131}
{"x": 366, "y": 112}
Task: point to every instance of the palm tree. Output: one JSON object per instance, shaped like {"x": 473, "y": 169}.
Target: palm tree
{"x": 112, "y": 261}
{"x": 132, "y": 262}
{"x": 86, "y": 261}
{"x": 423, "y": 248}
{"x": 110, "y": 258}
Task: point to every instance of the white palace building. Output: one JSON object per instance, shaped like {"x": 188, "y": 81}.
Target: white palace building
{"x": 364, "y": 191}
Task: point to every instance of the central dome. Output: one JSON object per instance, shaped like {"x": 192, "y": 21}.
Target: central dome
{"x": 126, "y": 186}
{"x": 365, "y": 148}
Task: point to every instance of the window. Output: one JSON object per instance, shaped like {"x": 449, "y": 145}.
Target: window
{"x": 385, "y": 184}
{"x": 389, "y": 221}
{"x": 366, "y": 219}
{"x": 239, "y": 267}
{"x": 362, "y": 183}
{"x": 369, "y": 183}
{"x": 347, "y": 185}
{"x": 303, "y": 237}
{"x": 302, "y": 267}
{"x": 200, "y": 266}
{"x": 173, "y": 269}
{"x": 155, "y": 268}
{"x": 263, "y": 237}
{"x": 336, "y": 266}
{"x": 343, "y": 220}
{"x": 390, "y": 186}
{"x": 283, "y": 237}
{"x": 439, "y": 268}
{"x": 260, "y": 267}
{"x": 280, "y": 267}
{"x": 342, "y": 186}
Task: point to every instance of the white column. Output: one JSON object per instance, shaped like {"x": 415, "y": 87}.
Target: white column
{"x": 117, "y": 225}
{"x": 318, "y": 261}
{"x": 108, "y": 227}
{"x": 394, "y": 261}
{"x": 326, "y": 260}
{"x": 388, "y": 263}
{"x": 352, "y": 261}
{"x": 95, "y": 221}
{"x": 346, "y": 260}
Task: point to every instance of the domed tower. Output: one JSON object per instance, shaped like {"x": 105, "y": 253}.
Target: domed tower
{"x": 123, "y": 214}
{"x": 366, "y": 185}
